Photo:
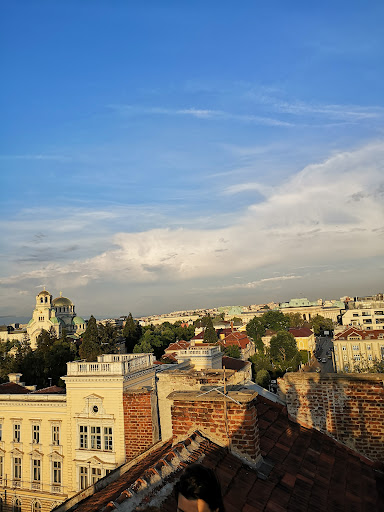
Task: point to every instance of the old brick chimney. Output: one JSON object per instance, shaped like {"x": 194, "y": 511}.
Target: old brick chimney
{"x": 229, "y": 421}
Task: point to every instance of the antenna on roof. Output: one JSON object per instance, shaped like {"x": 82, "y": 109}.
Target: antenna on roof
{"x": 225, "y": 395}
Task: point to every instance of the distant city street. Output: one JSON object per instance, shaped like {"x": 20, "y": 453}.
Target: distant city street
{"x": 324, "y": 345}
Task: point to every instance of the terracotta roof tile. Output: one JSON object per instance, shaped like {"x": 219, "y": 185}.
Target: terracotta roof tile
{"x": 51, "y": 389}
{"x": 311, "y": 472}
{"x": 301, "y": 332}
{"x": 11, "y": 388}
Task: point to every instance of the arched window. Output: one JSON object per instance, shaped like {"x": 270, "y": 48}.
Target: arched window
{"x": 41, "y": 299}
{"x": 17, "y": 505}
{"x": 36, "y": 507}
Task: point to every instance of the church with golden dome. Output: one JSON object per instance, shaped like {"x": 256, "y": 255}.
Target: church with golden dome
{"x": 58, "y": 314}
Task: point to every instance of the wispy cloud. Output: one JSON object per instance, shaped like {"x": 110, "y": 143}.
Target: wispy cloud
{"x": 342, "y": 112}
{"x": 248, "y": 187}
{"x": 201, "y": 114}
{"x": 260, "y": 282}
{"x": 268, "y": 98}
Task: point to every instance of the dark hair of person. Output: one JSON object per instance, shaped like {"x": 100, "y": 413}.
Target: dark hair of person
{"x": 200, "y": 483}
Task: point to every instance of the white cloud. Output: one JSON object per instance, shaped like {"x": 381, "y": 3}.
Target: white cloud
{"x": 328, "y": 213}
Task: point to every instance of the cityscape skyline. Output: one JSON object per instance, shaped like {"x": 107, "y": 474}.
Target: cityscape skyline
{"x": 158, "y": 158}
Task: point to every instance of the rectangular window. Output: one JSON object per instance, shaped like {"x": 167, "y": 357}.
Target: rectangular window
{"x": 95, "y": 475}
{"x": 355, "y": 347}
{"x": 83, "y": 436}
{"x": 356, "y": 357}
{"x": 56, "y": 472}
{"x": 36, "y": 470}
{"x": 369, "y": 357}
{"x": 108, "y": 438}
{"x": 95, "y": 438}
{"x": 17, "y": 468}
{"x": 83, "y": 477}
{"x": 345, "y": 357}
{"x": 16, "y": 432}
{"x": 35, "y": 434}
{"x": 344, "y": 348}
{"x": 368, "y": 347}
{"x": 55, "y": 434}
{"x": 1, "y": 469}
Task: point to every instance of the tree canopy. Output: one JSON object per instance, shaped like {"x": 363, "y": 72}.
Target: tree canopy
{"x": 132, "y": 332}
{"x": 210, "y": 335}
{"x": 283, "y": 350}
{"x": 320, "y": 324}
{"x": 232, "y": 351}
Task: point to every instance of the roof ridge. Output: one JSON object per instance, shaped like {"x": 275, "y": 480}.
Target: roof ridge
{"x": 174, "y": 460}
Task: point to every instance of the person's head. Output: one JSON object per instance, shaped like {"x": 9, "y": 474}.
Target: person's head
{"x": 198, "y": 490}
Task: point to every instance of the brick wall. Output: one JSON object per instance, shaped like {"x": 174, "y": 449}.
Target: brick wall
{"x": 349, "y": 407}
{"x": 191, "y": 411}
{"x": 139, "y": 421}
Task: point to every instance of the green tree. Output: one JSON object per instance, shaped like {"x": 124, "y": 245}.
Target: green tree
{"x": 295, "y": 320}
{"x": 89, "y": 350}
{"x": 275, "y": 321}
{"x": 232, "y": 351}
{"x": 210, "y": 335}
{"x": 256, "y": 329}
{"x": 261, "y": 361}
{"x": 263, "y": 379}
{"x": 46, "y": 339}
{"x": 7, "y": 361}
{"x": 284, "y": 352}
{"x": 144, "y": 346}
{"x": 90, "y": 346}
{"x": 91, "y": 332}
{"x": 132, "y": 333}
{"x": 318, "y": 323}
{"x": 108, "y": 338}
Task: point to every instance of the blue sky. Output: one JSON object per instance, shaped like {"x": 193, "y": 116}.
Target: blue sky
{"x": 167, "y": 155}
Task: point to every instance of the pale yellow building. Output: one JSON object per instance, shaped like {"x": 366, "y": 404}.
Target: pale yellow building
{"x": 358, "y": 348}
{"x": 52, "y": 445}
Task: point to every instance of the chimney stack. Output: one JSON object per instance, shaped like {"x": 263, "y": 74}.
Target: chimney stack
{"x": 229, "y": 421}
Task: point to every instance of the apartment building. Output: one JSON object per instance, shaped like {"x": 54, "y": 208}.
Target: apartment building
{"x": 356, "y": 347}
{"x": 367, "y": 318}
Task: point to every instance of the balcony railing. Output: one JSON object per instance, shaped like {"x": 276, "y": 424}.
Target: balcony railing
{"x": 121, "y": 367}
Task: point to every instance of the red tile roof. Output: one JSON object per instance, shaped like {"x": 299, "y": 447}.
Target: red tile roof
{"x": 199, "y": 336}
{"x": 51, "y": 389}
{"x": 11, "y": 388}
{"x": 178, "y": 345}
{"x": 239, "y": 339}
{"x": 303, "y": 470}
{"x": 301, "y": 332}
{"x": 374, "y": 334}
